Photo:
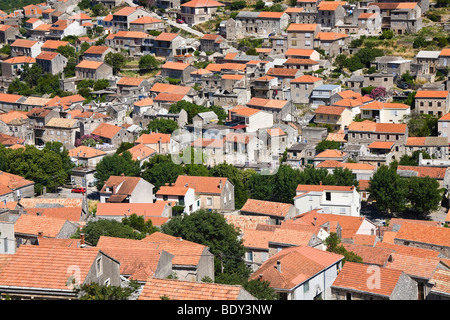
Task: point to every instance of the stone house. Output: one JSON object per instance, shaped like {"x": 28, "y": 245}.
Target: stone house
{"x": 351, "y": 284}
{"x": 400, "y": 17}
{"x": 96, "y": 53}
{"x": 136, "y": 43}
{"x": 176, "y": 70}
{"x": 385, "y": 80}
{"x": 330, "y": 14}
{"x": 301, "y": 36}
{"x": 385, "y": 112}
{"x": 215, "y": 193}
{"x": 213, "y": 43}
{"x": 23, "y": 47}
{"x": 443, "y": 126}
{"x": 337, "y": 117}
{"x": 112, "y": 135}
{"x": 13, "y": 66}
{"x": 251, "y": 119}
{"x": 132, "y": 86}
{"x": 436, "y": 103}
{"x": 63, "y": 130}
{"x": 257, "y": 23}
{"x": 392, "y": 64}
{"x": 93, "y": 70}
{"x": 146, "y": 24}
{"x": 166, "y": 44}
{"x": 302, "y": 87}
{"x": 123, "y": 189}
{"x": 122, "y": 18}
{"x": 332, "y": 43}
{"x": 280, "y": 109}
{"x": 16, "y": 124}
{"x": 160, "y": 142}
{"x": 8, "y": 33}
{"x": 369, "y": 22}
{"x": 51, "y": 62}
{"x": 196, "y": 11}
{"x": 275, "y": 211}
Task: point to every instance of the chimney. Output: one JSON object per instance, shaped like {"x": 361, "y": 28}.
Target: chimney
{"x": 314, "y": 223}
{"x": 220, "y": 184}
{"x": 179, "y": 239}
{"x": 278, "y": 266}
{"x": 320, "y": 182}
{"x": 82, "y": 242}
{"x": 40, "y": 234}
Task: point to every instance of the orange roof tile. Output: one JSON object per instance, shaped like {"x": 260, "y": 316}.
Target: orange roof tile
{"x": 165, "y": 36}
{"x": 354, "y": 277}
{"x": 431, "y": 94}
{"x": 175, "y": 65}
{"x": 202, "y": 3}
{"x": 303, "y": 27}
{"x": 331, "y": 153}
{"x": 330, "y": 36}
{"x": 406, "y": 250}
{"x": 106, "y": 130}
{"x": 141, "y": 151}
{"x": 125, "y": 11}
{"x": 54, "y": 44}
{"x": 32, "y": 225}
{"x": 88, "y": 64}
{"x": 96, "y": 50}
{"x": 330, "y": 5}
{"x": 333, "y": 110}
{"x": 417, "y": 267}
{"x": 155, "y": 288}
{"x": 267, "y": 103}
{"x": 47, "y": 55}
{"x": 23, "y": 43}
{"x": 85, "y": 152}
{"x": 282, "y": 72}
{"x": 445, "y": 52}
{"x": 432, "y": 172}
{"x": 306, "y": 79}
{"x": 381, "y": 145}
{"x": 441, "y": 281}
{"x": 130, "y": 81}
{"x": 72, "y": 214}
{"x": 270, "y": 15}
{"x": 270, "y": 208}
{"x": 369, "y": 254}
{"x": 414, "y": 232}
{"x": 19, "y": 59}
{"x": 155, "y": 209}
{"x": 203, "y": 185}
{"x": 152, "y": 138}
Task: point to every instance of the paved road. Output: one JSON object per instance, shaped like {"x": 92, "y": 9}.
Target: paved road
{"x": 183, "y": 26}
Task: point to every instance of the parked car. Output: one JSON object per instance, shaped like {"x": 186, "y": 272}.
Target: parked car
{"x": 164, "y": 18}
{"x": 180, "y": 21}
{"x": 402, "y": 85}
{"x": 79, "y": 190}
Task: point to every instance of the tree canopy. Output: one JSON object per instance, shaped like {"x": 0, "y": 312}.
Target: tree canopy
{"x": 115, "y": 165}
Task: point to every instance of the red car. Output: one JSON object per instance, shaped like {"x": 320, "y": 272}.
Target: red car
{"x": 78, "y": 190}
{"x": 180, "y": 21}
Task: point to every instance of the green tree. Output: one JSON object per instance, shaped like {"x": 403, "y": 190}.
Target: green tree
{"x": 115, "y": 60}
{"x": 387, "y": 34}
{"x": 388, "y": 189}
{"x": 115, "y": 165}
{"x": 166, "y": 126}
{"x": 235, "y": 176}
{"x": 99, "y": 10}
{"x": 425, "y": 194}
{"x": 161, "y": 172}
{"x": 138, "y": 223}
{"x": 124, "y": 146}
{"x": 334, "y": 245}
{"x": 285, "y": 184}
{"x": 327, "y": 144}
{"x": 109, "y": 228}
{"x": 95, "y": 291}
{"x": 261, "y": 290}
{"x": 58, "y": 148}
{"x": 413, "y": 160}
{"x": 238, "y": 5}
{"x": 67, "y": 51}
{"x": 210, "y": 229}
{"x": 148, "y": 62}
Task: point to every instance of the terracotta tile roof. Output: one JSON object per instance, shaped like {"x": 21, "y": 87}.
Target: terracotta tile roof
{"x": 32, "y": 225}
{"x": 406, "y": 250}
{"x": 208, "y": 143}
{"x": 256, "y": 239}
{"x": 346, "y": 94}
{"x": 47, "y": 55}
{"x": 330, "y": 5}
{"x": 13, "y": 181}
{"x": 152, "y": 138}
{"x": 173, "y": 190}
{"x": 125, "y": 11}
{"x": 80, "y": 16}
{"x": 144, "y": 102}
{"x": 370, "y": 255}
{"x": 62, "y": 123}
{"x": 371, "y": 126}
{"x": 367, "y": 15}
{"x": 414, "y": 266}
{"x": 354, "y": 277}
{"x": 431, "y": 94}
{"x": 381, "y": 145}
{"x": 46, "y": 267}
{"x": 36, "y": 202}
{"x": 267, "y": 103}
{"x": 395, "y": 5}
{"x": 441, "y": 282}
{"x": 155, "y": 288}
{"x": 330, "y": 36}
{"x": 348, "y": 165}
{"x": 54, "y": 44}
{"x": 297, "y": 265}
{"x": 141, "y": 151}
{"x": 4, "y": 190}
{"x": 304, "y": 27}
{"x": 10, "y": 98}
{"x": 23, "y": 43}
{"x": 175, "y": 65}
{"x": 203, "y": 185}
{"x": 130, "y": 81}
{"x": 170, "y": 88}
{"x": 90, "y": 115}
{"x": 127, "y": 185}
{"x": 244, "y": 111}
{"x": 233, "y": 76}
{"x": 336, "y": 136}
{"x": 85, "y": 152}
{"x": 13, "y": 117}
{"x": 445, "y": 52}
{"x": 414, "y": 232}
{"x": 270, "y": 208}
{"x": 321, "y": 188}
{"x": 270, "y": 15}
{"x": 88, "y": 64}
{"x": 282, "y": 72}
{"x": 106, "y": 130}
{"x": 19, "y": 59}
{"x": 364, "y": 239}
{"x": 275, "y": 132}
{"x": 297, "y": 61}
{"x": 292, "y": 10}
{"x": 155, "y": 209}
{"x": 432, "y": 172}
{"x": 331, "y": 153}
{"x": 144, "y": 20}
{"x": 96, "y": 50}
{"x": 377, "y": 105}
{"x": 333, "y": 110}
{"x": 10, "y": 140}
{"x": 165, "y": 36}
{"x": 246, "y": 222}
{"x": 202, "y": 3}
{"x": 236, "y": 137}
{"x": 72, "y": 214}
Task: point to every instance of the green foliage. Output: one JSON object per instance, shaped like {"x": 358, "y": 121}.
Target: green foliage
{"x": 334, "y": 245}
{"x": 84, "y": 4}
{"x": 124, "y": 146}
{"x": 161, "y": 170}
{"x": 166, "y": 126}
{"x": 425, "y": 194}
{"x": 67, "y": 51}
{"x": 99, "y": 10}
{"x": 138, "y": 223}
{"x": 115, "y": 165}
{"x": 236, "y": 178}
{"x": 47, "y": 168}
{"x": 109, "y": 228}
{"x": 6, "y": 49}
{"x": 148, "y": 62}
{"x": 115, "y": 60}
{"x": 238, "y": 5}
{"x": 210, "y": 228}
{"x": 327, "y": 144}
{"x": 422, "y": 125}
{"x": 95, "y": 291}
{"x": 260, "y": 5}
{"x": 387, "y": 34}
{"x": 388, "y": 189}
{"x": 173, "y": 81}
{"x": 413, "y": 160}
{"x": 261, "y": 290}
{"x": 193, "y": 109}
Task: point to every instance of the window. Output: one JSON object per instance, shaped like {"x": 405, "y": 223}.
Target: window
{"x": 107, "y": 282}
{"x": 328, "y": 196}
{"x": 99, "y": 266}
{"x": 306, "y": 287}
{"x": 209, "y": 201}
{"x": 250, "y": 256}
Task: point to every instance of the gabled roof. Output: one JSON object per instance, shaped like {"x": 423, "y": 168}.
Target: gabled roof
{"x": 121, "y": 185}
{"x": 331, "y": 153}
{"x": 369, "y": 254}
{"x": 154, "y": 137}
{"x": 32, "y": 225}
{"x": 106, "y": 130}
{"x": 96, "y": 50}
{"x": 432, "y": 94}
{"x": 417, "y": 267}
{"x": 267, "y": 103}
{"x": 125, "y": 11}
{"x": 205, "y": 185}
{"x": 175, "y": 65}
{"x": 303, "y": 27}
{"x": 269, "y": 208}
{"x": 354, "y": 277}
{"x": 47, "y": 55}
{"x": 332, "y": 110}
{"x": 202, "y": 3}
{"x": 292, "y": 266}
{"x": 306, "y": 79}
{"x": 24, "y": 43}
{"x": 165, "y": 36}
{"x": 155, "y": 288}
{"x": 85, "y": 152}
{"x": 54, "y": 44}
{"x": 89, "y": 64}
{"x": 20, "y": 59}
{"x": 414, "y": 232}
{"x": 432, "y": 172}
